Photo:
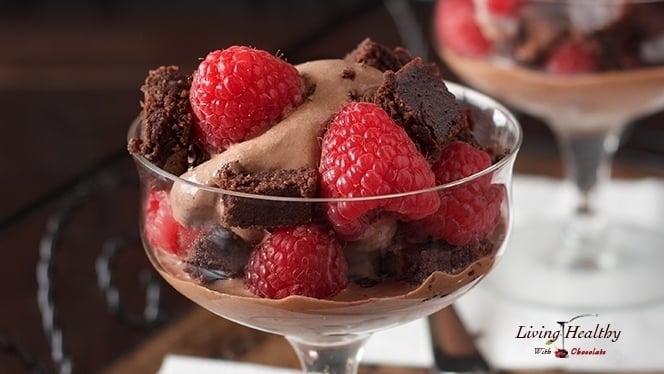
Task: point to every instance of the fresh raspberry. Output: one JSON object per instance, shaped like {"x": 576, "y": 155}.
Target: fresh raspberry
{"x": 457, "y": 29}
{"x": 302, "y": 260}
{"x": 470, "y": 211}
{"x": 238, "y": 92}
{"x": 161, "y": 229}
{"x": 572, "y": 57}
{"x": 364, "y": 153}
{"x": 503, "y": 7}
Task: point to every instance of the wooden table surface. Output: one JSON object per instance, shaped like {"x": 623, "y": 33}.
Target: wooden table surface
{"x": 69, "y": 79}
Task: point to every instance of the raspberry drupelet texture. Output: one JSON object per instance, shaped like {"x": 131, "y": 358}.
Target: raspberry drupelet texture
{"x": 470, "y": 211}
{"x": 364, "y": 153}
{"x": 302, "y": 260}
{"x": 387, "y": 142}
{"x": 238, "y": 92}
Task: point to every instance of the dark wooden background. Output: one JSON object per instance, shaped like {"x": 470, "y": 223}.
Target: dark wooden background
{"x": 69, "y": 78}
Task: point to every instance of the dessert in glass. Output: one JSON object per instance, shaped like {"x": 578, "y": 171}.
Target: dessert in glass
{"x": 323, "y": 201}
{"x": 588, "y": 69}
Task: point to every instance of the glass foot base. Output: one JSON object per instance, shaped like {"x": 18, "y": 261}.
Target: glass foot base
{"x": 624, "y": 269}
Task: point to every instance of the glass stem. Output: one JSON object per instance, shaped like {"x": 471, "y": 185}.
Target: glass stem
{"x": 330, "y": 355}
{"x": 587, "y": 159}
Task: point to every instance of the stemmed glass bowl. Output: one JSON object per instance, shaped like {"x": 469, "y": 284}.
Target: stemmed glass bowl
{"x": 588, "y": 69}
{"x": 393, "y": 278}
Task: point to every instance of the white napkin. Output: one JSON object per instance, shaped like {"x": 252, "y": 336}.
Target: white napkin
{"x": 497, "y": 318}
{"x": 406, "y": 345}
{"x": 176, "y": 364}
{"x": 634, "y": 200}
{"x": 637, "y": 349}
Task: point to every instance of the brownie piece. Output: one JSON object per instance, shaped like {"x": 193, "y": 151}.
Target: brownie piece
{"x": 416, "y": 98}
{"x": 261, "y": 213}
{"x": 217, "y": 255}
{"x": 167, "y": 118}
{"x": 379, "y": 56}
{"x": 416, "y": 264}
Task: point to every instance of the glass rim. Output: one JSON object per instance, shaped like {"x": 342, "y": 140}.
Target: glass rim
{"x": 460, "y": 92}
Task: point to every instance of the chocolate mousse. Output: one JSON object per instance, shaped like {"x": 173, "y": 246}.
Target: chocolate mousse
{"x": 250, "y": 232}
{"x": 283, "y": 162}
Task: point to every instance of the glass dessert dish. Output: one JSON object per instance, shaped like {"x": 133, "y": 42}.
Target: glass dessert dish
{"x": 587, "y": 70}
{"x": 390, "y": 275}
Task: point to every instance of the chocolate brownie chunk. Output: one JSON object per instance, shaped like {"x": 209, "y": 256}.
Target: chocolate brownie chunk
{"x": 417, "y": 99}
{"x": 416, "y": 264}
{"x": 167, "y": 118}
{"x": 379, "y": 56}
{"x": 262, "y": 213}
{"x": 217, "y": 255}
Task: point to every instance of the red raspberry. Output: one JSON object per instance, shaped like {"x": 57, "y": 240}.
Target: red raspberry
{"x": 457, "y": 29}
{"x": 162, "y": 231}
{"x": 572, "y": 57}
{"x": 503, "y": 7}
{"x": 364, "y": 153}
{"x": 470, "y": 211}
{"x": 238, "y": 92}
{"x": 303, "y": 260}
